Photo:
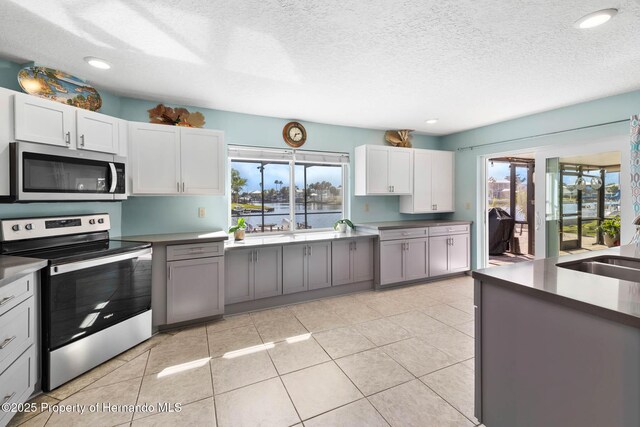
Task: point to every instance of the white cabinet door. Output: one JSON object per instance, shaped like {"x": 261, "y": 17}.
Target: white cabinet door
{"x": 442, "y": 185}
{"x": 341, "y": 262}
{"x": 422, "y": 194}
{"x": 459, "y": 253}
{"x": 155, "y": 158}
{"x": 400, "y": 170}
{"x": 267, "y": 272}
{"x": 195, "y": 289}
{"x": 203, "y": 161}
{"x": 391, "y": 262}
{"x": 362, "y": 256}
{"x": 417, "y": 259}
{"x": 97, "y": 132}
{"x": 239, "y": 276}
{"x": 377, "y": 170}
{"x": 44, "y": 121}
{"x": 438, "y": 255}
{"x": 319, "y": 265}
{"x": 294, "y": 275}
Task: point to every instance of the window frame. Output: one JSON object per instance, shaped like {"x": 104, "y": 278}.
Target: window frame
{"x": 292, "y": 162}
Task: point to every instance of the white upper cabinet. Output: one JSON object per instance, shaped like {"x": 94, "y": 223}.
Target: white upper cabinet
{"x": 382, "y": 170}
{"x": 173, "y": 160}
{"x": 202, "y": 161}
{"x": 154, "y": 158}
{"x": 97, "y": 132}
{"x": 50, "y": 122}
{"x": 433, "y": 183}
{"x": 44, "y": 121}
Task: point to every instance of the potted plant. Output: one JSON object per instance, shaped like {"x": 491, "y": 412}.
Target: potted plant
{"x": 610, "y": 227}
{"x": 238, "y": 230}
{"x": 341, "y": 225}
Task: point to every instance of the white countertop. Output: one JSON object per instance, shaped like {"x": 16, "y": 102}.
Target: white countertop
{"x": 280, "y": 239}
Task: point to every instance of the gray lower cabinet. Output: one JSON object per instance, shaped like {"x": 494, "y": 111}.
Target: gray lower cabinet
{"x": 252, "y": 274}
{"x": 416, "y": 261}
{"x": 195, "y": 288}
{"x": 392, "y": 262}
{"x": 403, "y": 260}
{"x": 18, "y": 334}
{"x": 449, "y": 254}
{"x": 267, "y": 268}
{"x": 351, "y": 261}
{"x": 308, "y": 267}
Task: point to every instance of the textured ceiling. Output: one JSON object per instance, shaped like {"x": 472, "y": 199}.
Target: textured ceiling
{"x": 377, "y": 64}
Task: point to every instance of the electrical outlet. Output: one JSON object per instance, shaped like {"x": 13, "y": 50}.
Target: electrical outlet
{"x": 366, "y": 207}
{"x": 468, "y": 206}
{"x": 201, "y": 212}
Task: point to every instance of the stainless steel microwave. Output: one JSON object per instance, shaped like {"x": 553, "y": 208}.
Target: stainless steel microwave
{"x": 48, "y": 173}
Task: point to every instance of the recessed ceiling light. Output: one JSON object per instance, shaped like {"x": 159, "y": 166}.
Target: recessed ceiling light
{"x": 431, "y": 121}
{"x": 596, "y": 18}
{"x": 97, "y": 62}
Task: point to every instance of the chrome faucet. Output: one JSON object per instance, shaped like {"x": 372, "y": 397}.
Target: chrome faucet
{"x": 636, "y": 237}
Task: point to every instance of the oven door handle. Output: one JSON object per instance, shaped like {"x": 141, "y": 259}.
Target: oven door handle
{"x": 55, "y": 270}
{"x": 114, "y": 178}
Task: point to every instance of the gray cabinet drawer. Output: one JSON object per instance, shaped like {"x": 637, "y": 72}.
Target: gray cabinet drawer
{"x": 17, "y": 382}
{"x": 15, "y": 292}
{"x": 194, "y": 250}
{"x": 16, "y": 332}
{"x": 405, "y": 233}
{"x": 446, "y": 230}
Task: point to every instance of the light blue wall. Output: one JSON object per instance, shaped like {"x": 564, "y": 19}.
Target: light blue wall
{"x": 467, "y": 169}
{"x": 142, "y": 215}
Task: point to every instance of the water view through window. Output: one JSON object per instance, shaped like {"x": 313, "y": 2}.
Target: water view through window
{"x": 262, "y": 194}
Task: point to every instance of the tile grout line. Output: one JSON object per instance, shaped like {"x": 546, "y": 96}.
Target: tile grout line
{"x": 446, "y": 401}
{"x": 213, "y": 388}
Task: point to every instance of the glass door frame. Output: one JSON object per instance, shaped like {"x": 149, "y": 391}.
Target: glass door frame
{"x": 616, "y": 140}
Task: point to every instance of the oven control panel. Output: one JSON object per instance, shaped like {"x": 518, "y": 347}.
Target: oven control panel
{"x": 33, "y": 228}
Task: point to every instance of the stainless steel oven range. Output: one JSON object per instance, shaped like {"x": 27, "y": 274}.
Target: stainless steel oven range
{"x": 95, "y": 292}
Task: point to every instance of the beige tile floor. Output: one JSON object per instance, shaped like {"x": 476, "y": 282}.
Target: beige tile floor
{"x": 400, "y": 357}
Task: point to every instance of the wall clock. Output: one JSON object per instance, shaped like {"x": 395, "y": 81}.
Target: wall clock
{"x": 294, "y": 134}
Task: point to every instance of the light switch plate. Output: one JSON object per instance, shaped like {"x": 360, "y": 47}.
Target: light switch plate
{"x": 201, "y": 212}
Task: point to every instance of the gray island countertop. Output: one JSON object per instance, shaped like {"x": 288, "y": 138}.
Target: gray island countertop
{"x": 606, "y": 297}
{"x": 397, "y": 225}
{"x": 14, "y": 267}
{"x": 178, "y": 238}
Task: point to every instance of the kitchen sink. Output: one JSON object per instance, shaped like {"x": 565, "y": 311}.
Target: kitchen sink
{"x": 609, "y": 266}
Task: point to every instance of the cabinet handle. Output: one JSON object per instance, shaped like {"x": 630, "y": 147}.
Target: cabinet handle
{"x": 436, "y": 207}
{"x": 304, "y": 251}
{"x": 5, "y": 300}
{"x": 183, "y": 187}
{"x": 169, "y": 273}
{"x": 310, "y": 251}
{"x": 7, "y": 342}
{"x": 67, "y": 138}
{"x": 178, "y": 187}
{"x": 257, "y": 252}
{"x": 350, "y": 246}
{"x": 82, "y": 140}
{"x": 355, "y": 246}
{"x": 8, "y": 397}
{"x": 452, "y": 241}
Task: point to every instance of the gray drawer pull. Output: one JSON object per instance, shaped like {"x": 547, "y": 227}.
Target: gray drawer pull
{"x": 8, "y": 397}
{"x": 5, "y": 300}
{"x": 7, "y": 342}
